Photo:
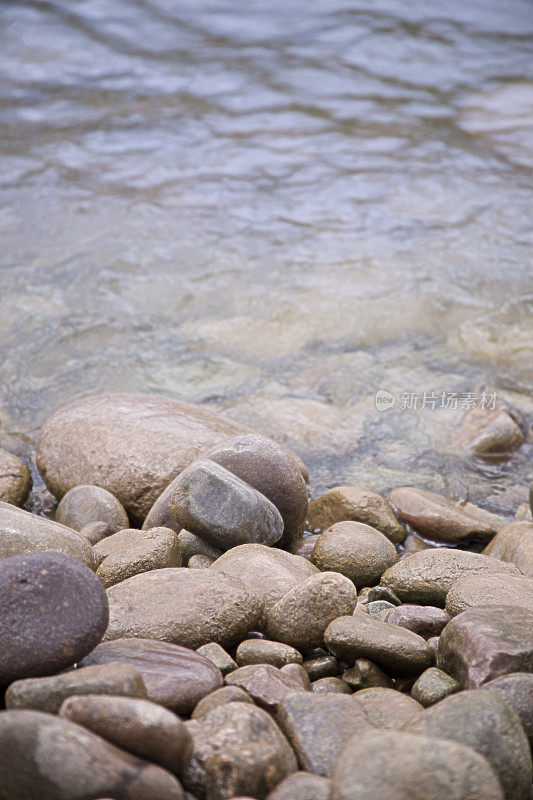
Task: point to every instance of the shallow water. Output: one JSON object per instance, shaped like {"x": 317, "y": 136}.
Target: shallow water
{"x": 276, "y": 209}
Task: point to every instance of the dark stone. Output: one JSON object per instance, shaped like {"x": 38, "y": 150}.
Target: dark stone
{"x": 267, "y": 685}
{"x": 387, "y": 708}
{"x": 427, "y": 621}
{"x": 220, "y": 697}
{"x": 517, "y": 690}
{"x": 53, "y": 611}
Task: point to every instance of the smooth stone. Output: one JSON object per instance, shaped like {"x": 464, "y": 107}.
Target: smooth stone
{"x": 485, "y": 643}
{"x": 94, "y": 532}
{"x": 200, "y": 562}
{"x": 301, "y": 616}
{"x": 192, "y": 545}
{"x": 427, "y": 576}
{"x": 356, "y": 550}
{"x": 325, "y": 666}
{"x": 144, "y": 728}
{"x": 298, "y": 674}
{"x": 387, "y": 708}
{"x": 319, "y": 725}
{"x": 490, "y": 590}
{"x": 379, "y": 609}
{"x": 220, "y": 697}
{"x": 523, "y": 513}
{"x": 174, "y": 676}
{"x": 238, "y": 750}
{"x": 266, "y": 572}
{"x": 440, "y": 519}
{"x": 303, "y": 545}
{"x": 270, "y": 469}
{"x": 343, "y": 503}
{"x": 497, "y": 434}
{"x": 484, "y": 722}
{"x": 15, "y": 479}
{"x": 53, "y": 611}
{"x": 365, "y": 674}
{"x": 331, "y": 686}
{"x": 264, "y": 651}
{"x": 265, "y": 684}
{"x": 220, "y": 658}
{"x": 301, "y": 786}
{"x": 395, "y": 765}
{"x": 22, "y": 532}
{"x": 514, "y": 545}
{"x": 392, "y": 648}
{"x": 427, "y": 621}
{"x": 132, "y": 552}
{"x": 517, "y": 690}
{"x": 216, "y": 505}
{"x": 434, "y": 644}
{"x": 84, "y": 504}
{"x": 382, "y": 593}
{"x": 133, "y": 445}
{"x": 49, "y": 757}
{"x": 184, "y": 606}
{"x": 433, "y": 685}
{"x": 413, "y": 544}
{"x": 47, "y": 694}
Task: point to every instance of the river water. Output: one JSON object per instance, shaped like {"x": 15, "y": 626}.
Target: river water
{"x": 276, "y": 209}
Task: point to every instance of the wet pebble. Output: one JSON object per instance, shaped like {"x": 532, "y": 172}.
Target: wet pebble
{"x": 130, "y": 552}
{"x": 356, "y": 550}
{"x": 264, "y": 651}
{"x": 266, "y": 684}
{"x": 220, "y": 658}
{"x": 490, "y": 590}
{"x": 427, "y": 621}
{"x": 15, "y": 479}
{"x": 85, "y": 504}
{"x": 220, "y": 697}
{"x": 433, "y": 685}
{"x": 514, "y": 544}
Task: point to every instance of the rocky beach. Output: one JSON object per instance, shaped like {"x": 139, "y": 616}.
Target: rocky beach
{"x": 189, "y": 626}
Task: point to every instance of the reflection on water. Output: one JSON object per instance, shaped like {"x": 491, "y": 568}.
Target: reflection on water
{"x": 274, "y": 208}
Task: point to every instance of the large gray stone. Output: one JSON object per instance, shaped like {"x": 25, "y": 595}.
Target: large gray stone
{"x": 427, "y": 576}
{"x": 53, "y": 611}
{"x": 486, "y": 723}
{"x": 22, "y": 532}
{"x": 174, "y": 676}
{"x": 212, "y": 502}
{"x": 50, "y": 758}
{"x": 189, "y": 607}
{"x": 395, "y": 765}
{"x": 133, "y": 445}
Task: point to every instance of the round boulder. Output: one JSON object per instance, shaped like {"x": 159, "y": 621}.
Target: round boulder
{"x": 356, "y": 550}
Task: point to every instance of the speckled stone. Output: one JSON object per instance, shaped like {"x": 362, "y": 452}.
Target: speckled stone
{"x": 364, "y": 674}
{"x": 130, "y": 552}
{"x": 53, "y": 611}
{"x": 514, "y": 545}
{"x": 490, "y": 590}
{"x": 15, "y": 479}
{"x": 266, "y": 684}
{"x": 331, "y": 686}
{"x": 85, "y": 503}
{"x": 220, "y": 658}
{"x": 433, "y": 685}
{"x": 220, "y": 697}
{"x": 426, "y": 621}
{"x": 264, "y": 651}
{"x": 344, "y": 503}
{"x": 356, "y": 550}
{"x": 387, "y": 708}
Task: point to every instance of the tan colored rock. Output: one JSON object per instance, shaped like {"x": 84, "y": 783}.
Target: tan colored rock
{"x": 45, "y": 756}
{"x": 387, "y": 708}
{"x": 84, "y": 504}
{"x": 133, "y": 445}
{"x": 189, "y": 607}
{"x": 191, "y": 545}
{"x": 344, "y": 503}
{"x": 427, "y": 576}
{"x": 22, "y": 532}
{"x": 443, "y": 520}
{"x": 263, "y": 651}
{"x": 490, "y": 590}
{"x": 266, "y": 571}
{"x": 220, "y": 658}
{"x": 490, "y": 433}
{"x": 356, "y": 550}
{"x": 15, "y": 479}
{"x": 47, "y": 694}
{"x": 146, "y": 729}
{"x": 220, "y": 697}
{"x": 301, "y": 616}
{"x": 131, "y": 552}
{"x": 331, "y": 685}
{"x": 514, "y": 545}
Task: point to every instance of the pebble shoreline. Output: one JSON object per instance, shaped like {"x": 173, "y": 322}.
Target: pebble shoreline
{"x": 243, "y": 643}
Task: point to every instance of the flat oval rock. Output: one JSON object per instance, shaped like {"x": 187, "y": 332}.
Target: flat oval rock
{"x": 174, "y": 676}
{"x": 53, "y": 611}
{"x": 190, "y": 607}
{"x": 22, "y": 532}
{"x": 133, "y": 445}
{"x": 484, "y": 643}
{"x": 212, "y": 502}
{"x": 426, "y": 576}
{"x": 45, "y": 756}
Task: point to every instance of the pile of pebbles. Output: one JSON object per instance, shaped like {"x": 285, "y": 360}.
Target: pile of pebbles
{"x": 190, "y": 627}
